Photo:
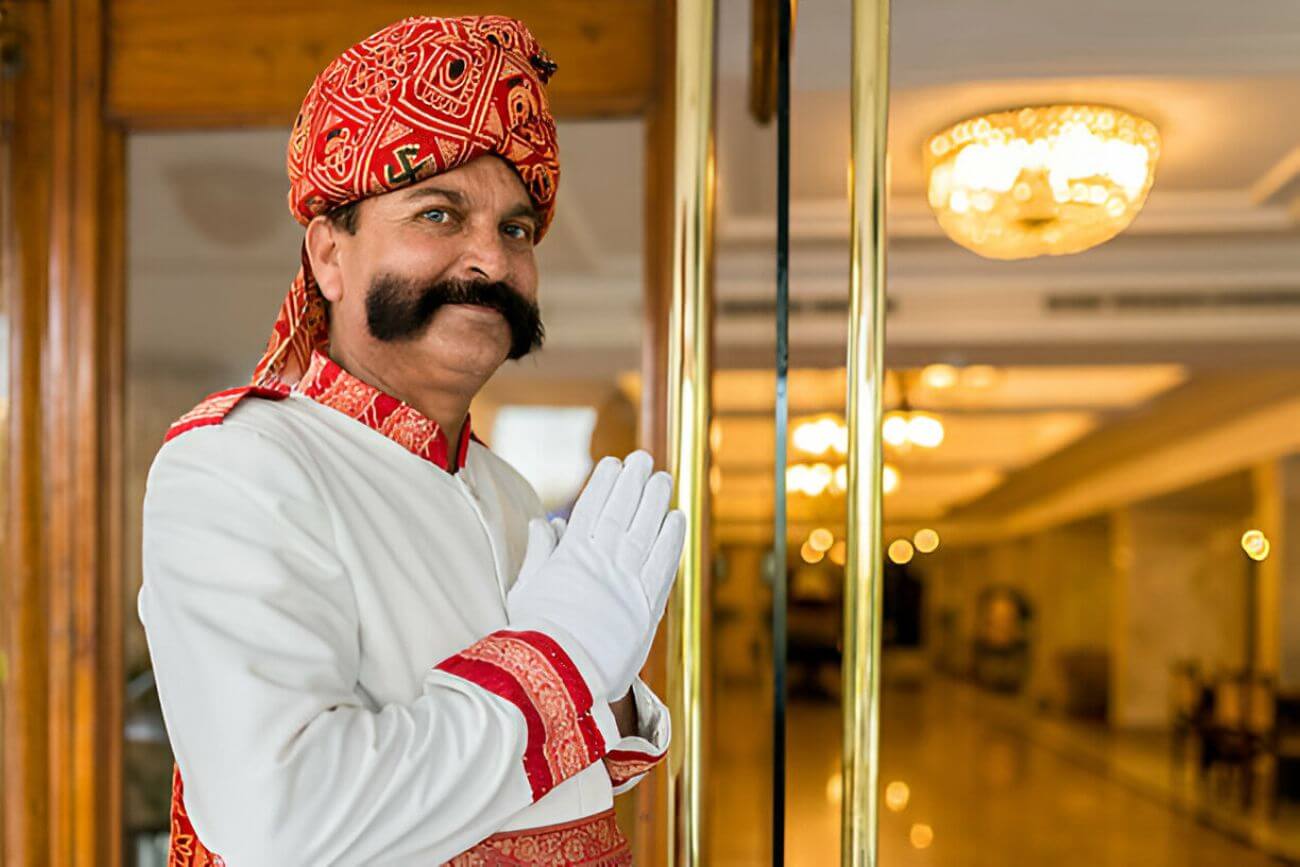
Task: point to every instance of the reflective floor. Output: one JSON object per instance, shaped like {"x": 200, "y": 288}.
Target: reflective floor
{"x": 971, "y": 789}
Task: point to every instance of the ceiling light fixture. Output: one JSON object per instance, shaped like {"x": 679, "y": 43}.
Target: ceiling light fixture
{"x": 1042, "y": 180}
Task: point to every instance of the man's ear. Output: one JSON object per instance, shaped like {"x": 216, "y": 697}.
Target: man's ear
{"x": 324, "y": 249}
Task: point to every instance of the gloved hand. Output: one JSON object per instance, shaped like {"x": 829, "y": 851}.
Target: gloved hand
{"x": 602, "y": 582}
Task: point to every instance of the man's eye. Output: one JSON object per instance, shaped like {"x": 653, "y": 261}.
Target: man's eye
{"x": 518, "y": 232}
{"x": 436, "y": 215}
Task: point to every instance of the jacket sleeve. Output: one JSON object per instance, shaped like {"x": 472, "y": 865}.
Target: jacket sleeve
{"x": 632, "y": 757}
{"x": 253, "y": 632}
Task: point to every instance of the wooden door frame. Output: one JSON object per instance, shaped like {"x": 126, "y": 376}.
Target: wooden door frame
{"x": 81, "y": 76}
{"x": 62, "y": 279}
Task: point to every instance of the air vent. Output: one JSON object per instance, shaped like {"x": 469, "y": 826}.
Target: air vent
{"x": 1253, "y": 300}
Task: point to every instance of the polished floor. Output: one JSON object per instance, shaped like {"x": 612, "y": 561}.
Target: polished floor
{"x": 968, "y": 790}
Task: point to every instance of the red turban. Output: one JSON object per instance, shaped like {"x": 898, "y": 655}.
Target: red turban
{"x": 420, "y": 97}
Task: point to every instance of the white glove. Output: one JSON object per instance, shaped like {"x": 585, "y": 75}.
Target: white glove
{"x": 542, "y": 537}
{"x": 602, "y": 583}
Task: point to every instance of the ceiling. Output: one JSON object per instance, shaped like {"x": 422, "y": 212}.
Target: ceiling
{"x": 1208, "y": 278}
{"x": 991, "y": 430}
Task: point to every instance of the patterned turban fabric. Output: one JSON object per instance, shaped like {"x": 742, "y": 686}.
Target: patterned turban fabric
{"x": 420, "y": 97}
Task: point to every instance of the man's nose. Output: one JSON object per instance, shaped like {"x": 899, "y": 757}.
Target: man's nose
{"x": 484, "y": 256}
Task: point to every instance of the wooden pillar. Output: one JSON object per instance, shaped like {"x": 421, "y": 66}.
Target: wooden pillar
{"x": 62, "y": 243}
{"x": 649, "y": 831}
{"x": 24, "y": 189}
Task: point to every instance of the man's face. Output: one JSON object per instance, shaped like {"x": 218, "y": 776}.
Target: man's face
{"x": 440, "y": 277}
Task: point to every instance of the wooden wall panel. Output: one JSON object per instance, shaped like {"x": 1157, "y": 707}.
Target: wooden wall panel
{"x": 24, "y": 245}
{"x": 249, "y": 62}
{"x": 110, "y": 504}
{"x": 61, "y": 237}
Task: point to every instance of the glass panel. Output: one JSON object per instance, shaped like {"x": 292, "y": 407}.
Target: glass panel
{"x": 210, "y": 254}
{"x": 740, "y": 755}
{"x": 550, "y": 446}
{"x": 1088, "y": 650}
{"x": 1082, "y": 663}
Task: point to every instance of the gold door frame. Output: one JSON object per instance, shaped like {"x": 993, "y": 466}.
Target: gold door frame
{"x": 689, "y": 408}
{"x": 866, "y": 376}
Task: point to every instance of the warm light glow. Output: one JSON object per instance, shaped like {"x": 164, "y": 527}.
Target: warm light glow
{"x": 897, "y": 795}
{"x": 801, "y": 479}
{"x": 839, "y": 553}
{"x": 821, "y": 436}
{"x": 821, "y": 475}
{"x": 715, "y": 479}
{"x": 901, "y": 551}
{"x": 1256, "y": 545}
{"x": 979, "y": 376}
{"x": 835, "y": 789}
{"x": 715, "y": 436}
{"x": 894, "y": 429}
{"x": 922, "y": 835}
{"x": 814, "y": 479}
{"x": 889, "y": 479}
{"x": 939, "y": 376}
{"x": 925, "y": 431}
{"x": 1045, "y": 180}
{"x": 841, "y": 480}
{"x": 821, "y": 539}
{"x": 810, "y": 554}
{"x": 926, "y": 541}
{"x": 905, "y": 429}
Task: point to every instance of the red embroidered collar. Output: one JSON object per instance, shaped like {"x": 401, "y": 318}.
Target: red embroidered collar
{"x": 327, "y": 383}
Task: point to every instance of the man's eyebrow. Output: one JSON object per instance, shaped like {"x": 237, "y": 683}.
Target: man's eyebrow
{"x": 454, "y": 196}
{"x": 523, "y": 209}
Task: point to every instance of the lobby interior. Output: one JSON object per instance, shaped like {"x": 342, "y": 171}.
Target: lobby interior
{"x": 1091, "y": 618}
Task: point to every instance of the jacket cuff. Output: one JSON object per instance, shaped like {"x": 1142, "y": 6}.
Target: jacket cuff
{"x": 566, "y": 730}
{"x": 630, "y": 758}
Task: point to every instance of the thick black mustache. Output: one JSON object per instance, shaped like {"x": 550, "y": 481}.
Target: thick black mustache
{"x": 398, "y": 308}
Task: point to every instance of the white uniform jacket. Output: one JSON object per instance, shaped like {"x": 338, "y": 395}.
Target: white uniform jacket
{"x": 324, "y": 586}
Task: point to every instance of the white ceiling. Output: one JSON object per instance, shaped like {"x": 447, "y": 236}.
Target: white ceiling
{"x": 942, "y": 41}
{"x": 1218, "y": 80}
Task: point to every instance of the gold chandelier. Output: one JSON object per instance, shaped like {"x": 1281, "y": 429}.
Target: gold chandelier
{"x": 829, "y": 436}
{"x": 1043, "y": 180}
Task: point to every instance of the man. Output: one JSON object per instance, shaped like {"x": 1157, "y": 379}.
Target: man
{"x": 370, "y": 647}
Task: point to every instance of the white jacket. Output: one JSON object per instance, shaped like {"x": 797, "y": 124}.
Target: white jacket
{"x": 303, "y": 576}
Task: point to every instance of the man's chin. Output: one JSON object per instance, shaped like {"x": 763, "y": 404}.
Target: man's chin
{"x": 461, "y": 331}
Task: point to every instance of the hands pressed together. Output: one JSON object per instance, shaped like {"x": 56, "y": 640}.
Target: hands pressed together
{"x": 602, "y": 582}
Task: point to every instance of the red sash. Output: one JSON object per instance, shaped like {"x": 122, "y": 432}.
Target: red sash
{"x": 591, "y": 842}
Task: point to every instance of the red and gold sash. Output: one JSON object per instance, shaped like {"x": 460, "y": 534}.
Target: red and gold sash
{"x": 594, "y": 841}
{"x": 591, "y": 842}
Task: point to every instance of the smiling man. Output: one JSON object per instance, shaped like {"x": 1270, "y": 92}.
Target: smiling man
{"x": 369, "y": 644}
